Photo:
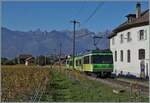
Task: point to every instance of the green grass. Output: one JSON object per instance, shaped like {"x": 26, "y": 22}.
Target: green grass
{"x": 62, "y": 88}
{"x": 18, "y": 83}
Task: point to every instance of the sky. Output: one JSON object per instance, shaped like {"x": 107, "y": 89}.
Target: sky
{"x": 51, "y": 15}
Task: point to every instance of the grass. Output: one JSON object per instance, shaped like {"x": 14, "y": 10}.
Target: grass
{"x": 69, "y": 89}
{"x": 19, "y": 83}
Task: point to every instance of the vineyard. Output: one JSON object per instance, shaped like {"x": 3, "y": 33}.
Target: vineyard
{"x": 36, "y": 83}
{"x": 20, "y": 82}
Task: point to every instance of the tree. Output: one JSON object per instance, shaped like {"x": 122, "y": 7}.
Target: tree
{"x": 4, "y": 60}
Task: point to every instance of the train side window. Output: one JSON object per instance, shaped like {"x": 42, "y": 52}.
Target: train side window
{"x": 80, "y": 61}
{"x": 76, "y": 62}
{"x": 67, "y": 62}
{"x": 86, "y": 60}
{"x": 70, "y": 63}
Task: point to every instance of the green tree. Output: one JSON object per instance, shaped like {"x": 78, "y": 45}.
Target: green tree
{"x": 4, "y": 60}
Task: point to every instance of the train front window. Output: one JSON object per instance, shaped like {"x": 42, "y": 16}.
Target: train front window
{"x": 104, "y": 59}
{"x": 86, "y": 60}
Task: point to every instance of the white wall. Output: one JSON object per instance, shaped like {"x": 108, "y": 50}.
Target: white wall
{"x": 134, "y": 45}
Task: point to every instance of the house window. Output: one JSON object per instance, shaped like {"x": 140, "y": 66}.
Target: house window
{"x": 141, "y": 54}
{"x": 121, "y": 55}
{"x": 121, "y": 38}
{"x": 128, "y": 37}
{"x": 115, "y": 55}
{"x": 113, "y": 40}
{"x": 141, "y": 35}
{"x": 86, "y": 60}
{"x": 128, "y": 56}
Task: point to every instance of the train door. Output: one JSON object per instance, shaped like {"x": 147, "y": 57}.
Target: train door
{"x": 82, "y": 64}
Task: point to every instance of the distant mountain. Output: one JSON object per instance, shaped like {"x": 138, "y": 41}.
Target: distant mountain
{"x": 45, "y": 43}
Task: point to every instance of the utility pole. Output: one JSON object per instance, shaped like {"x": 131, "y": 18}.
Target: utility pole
{"x": 60, "y": 46}
{"x": 18, "y": 59}
{"x": 74, "y": 25}
{"x": 54, "y": 58}
{"x": 38, "y": 60}
{"x": 95, "y": 44}
{"x": 45, "y": 59}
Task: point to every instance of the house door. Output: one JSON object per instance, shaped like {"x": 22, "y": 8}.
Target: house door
{"x": 142, "y": 69}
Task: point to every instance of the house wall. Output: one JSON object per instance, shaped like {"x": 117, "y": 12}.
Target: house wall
{"x": 134, "y": 45}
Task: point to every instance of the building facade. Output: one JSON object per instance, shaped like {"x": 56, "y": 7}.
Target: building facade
{"x": 130, "y": 45}
{"x": 22, "y": 58}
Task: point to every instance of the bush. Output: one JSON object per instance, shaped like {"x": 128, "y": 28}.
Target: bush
{"x": 6, "y": 61}
{"x": 10, "y": 62}
{"x": 3, "y": 61}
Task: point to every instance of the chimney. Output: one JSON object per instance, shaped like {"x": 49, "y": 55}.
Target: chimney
{"x": 138, "y": 10}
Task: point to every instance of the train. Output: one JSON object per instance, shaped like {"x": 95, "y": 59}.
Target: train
{"x": 99, "y": 62}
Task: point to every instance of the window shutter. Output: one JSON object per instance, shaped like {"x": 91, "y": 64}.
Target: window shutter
{"x": 138, "y": 35}
{"x": 145, "y": 34}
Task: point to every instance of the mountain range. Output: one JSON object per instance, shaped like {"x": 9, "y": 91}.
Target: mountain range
{"x": 39, "y": 42}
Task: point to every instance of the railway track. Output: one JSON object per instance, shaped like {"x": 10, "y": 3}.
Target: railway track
{"x": 124, "y": 85}
{"x": 133, "y": 86}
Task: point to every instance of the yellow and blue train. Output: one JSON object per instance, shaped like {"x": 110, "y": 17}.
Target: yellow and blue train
{"x": 99, "y": 62}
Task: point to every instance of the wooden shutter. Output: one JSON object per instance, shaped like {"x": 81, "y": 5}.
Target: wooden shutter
{"x": 145, "y": 34}
{"x": 138, "y": 35}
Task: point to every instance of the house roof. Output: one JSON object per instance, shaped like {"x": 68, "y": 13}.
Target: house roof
{"x": 133, "y": 15}
{"x": 24, "y": 56}
{"x": 29, "y": 58}
{"x": 141, "y": 21}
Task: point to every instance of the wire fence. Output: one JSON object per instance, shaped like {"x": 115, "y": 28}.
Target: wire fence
{"x": 40, "y": 89}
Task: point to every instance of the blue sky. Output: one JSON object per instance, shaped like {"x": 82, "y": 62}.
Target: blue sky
{"x": 48, "y": 15}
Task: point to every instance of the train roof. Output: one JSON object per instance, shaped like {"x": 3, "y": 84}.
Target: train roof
{"x": 98, "y": 51}
{"x": 105, "y": 51}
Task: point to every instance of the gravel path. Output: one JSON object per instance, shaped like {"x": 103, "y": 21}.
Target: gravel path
{"x": 123, "y": 85}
